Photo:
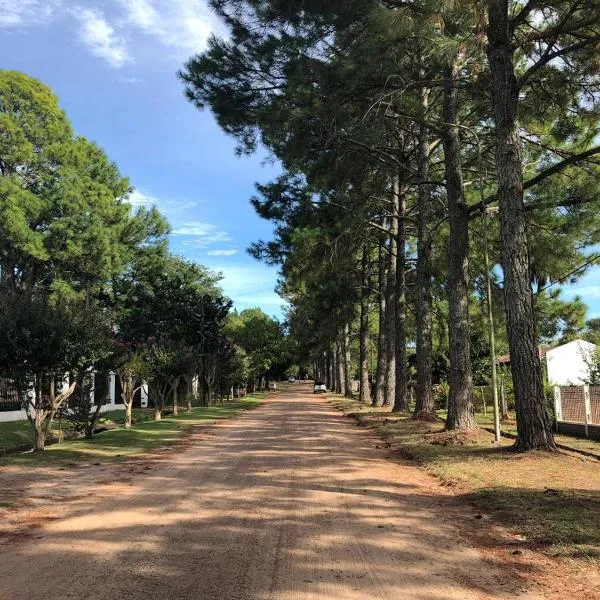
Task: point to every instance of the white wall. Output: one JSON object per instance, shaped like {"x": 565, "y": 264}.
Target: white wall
{"x": 566, "y": 363}
{"x": 20, "y": 415}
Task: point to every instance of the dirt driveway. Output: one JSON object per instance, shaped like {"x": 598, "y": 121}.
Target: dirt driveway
{"x": 290, "y": 500}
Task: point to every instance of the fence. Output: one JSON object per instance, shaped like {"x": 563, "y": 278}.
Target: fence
{"x": 577, "y": 410}
{"x": 9, "y": 396}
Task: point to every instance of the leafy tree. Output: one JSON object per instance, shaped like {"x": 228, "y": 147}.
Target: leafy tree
{"x": 47, "y": 347}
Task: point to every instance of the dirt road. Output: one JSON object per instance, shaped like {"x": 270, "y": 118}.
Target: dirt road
{"x": 288, "y": 501}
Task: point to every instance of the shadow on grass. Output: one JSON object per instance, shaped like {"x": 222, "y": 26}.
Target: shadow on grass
{"x": 553, "y": 499}
{"x": 568, "y": 521}
{"x": 118, "y": 444}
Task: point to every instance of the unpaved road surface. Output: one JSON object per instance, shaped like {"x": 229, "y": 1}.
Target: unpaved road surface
{"x": 288, "y": 501}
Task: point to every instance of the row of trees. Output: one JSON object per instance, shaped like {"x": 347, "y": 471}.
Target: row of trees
{"x": 404, "y": 129}
{"x": 88, "y": 285}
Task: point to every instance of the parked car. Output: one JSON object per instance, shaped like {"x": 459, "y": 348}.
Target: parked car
{"x": 319, "y": 387}
{"x": 291, "y": 379}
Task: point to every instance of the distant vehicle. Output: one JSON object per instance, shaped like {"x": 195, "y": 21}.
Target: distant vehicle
{"x": 319, "y": 387}
{"x": 291, "y": 379}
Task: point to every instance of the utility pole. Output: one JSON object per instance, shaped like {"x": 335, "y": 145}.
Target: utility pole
{"x": 491, "y": 335}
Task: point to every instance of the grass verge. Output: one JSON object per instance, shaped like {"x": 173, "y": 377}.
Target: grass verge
{"x": 552, "y": 500}
{"x": 146, "y": 435}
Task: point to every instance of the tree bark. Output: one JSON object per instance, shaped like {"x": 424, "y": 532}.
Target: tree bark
{"x": 347, "y": 362}
{"x": 364, "y": 391}
{"x": 341, "y": 381}
{"x": 39, "y": 435}
{"x": 128, "y": 414}
{"x": 534, "y": 429}
{"x": 379, "y": 394}
{"x": 390, "y": 313}
{"x": 401, "y": 383}
{"x": 424, "y": 400}
{"x": 460, "y": 406}
{"x": 175, "y": 390}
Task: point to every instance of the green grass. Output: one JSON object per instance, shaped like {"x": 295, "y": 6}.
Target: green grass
{"x": 12, "y": 435}
{"x": 552, "y": 499}
{"x": 120, "y": 443}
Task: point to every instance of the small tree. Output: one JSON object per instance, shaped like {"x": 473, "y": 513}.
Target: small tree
{"x": 131, "y": 372}
{"x": 42, "y": 341}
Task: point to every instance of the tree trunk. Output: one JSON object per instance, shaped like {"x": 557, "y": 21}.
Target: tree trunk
{"x": 340, "y": 370}
{"x": 379, "y": 395}
{"x": 460, "y": 406}
{"x": 128, "y": 414}
{"x": 424, "y": 400}
{"x": 39, "y": 435}
{"x": 347, "y": 362}
{"x": 390, "y": 313}
{"x": 175, "y": 392}
{"x": 401, "y": 384}
{"x": 504, "y": 416}
{"x": 364, "y": 391}
{"x": 534, "y": 429}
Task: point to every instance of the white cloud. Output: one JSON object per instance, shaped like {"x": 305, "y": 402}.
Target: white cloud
{"x": 131, "y": 80}
{"x": 108, "y": 27}
{"x": 203, "y": 234}
{"x": 229, "y": 252}
{"x": 101, "y": 38}
{"x": 251, "y": 285}
{"x": 21, "y": 13}
{"x": 181, "y": 24}
{"x": 137, "y": 198}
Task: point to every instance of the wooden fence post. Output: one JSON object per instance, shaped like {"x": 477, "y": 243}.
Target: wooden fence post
{"x": 557, "y": 405}
{"x": 587, "y": 408}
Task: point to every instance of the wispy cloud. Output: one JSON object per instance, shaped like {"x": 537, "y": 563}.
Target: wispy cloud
{"x": 137, "y": 198}
{"x": 100, "y": 37}
{"x": 131, "y": 80}
{"x": 202, "y": 234}
{"x": 251, "y": 285}
{"x": 181, "y": 24}
{"x": 22, "y": 13}
{"x": 108, "y": 27}
{"x": 229, "y": 252}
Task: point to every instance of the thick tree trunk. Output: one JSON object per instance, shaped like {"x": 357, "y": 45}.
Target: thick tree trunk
{"x": 390, "y": 313}
{"x": 401, "y": 384}
{"x": 460, "y": 407}
{"x": 379, "y": 395}
{"x": 39, "y": 434}
{"x": 364, "y": 391}
{"x": 534, "y": 429}
{"x": 347, "y": 362}
{"x": 424, "y": 400}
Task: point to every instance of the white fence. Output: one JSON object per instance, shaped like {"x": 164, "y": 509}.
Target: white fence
{"x": 577, "y": 409}
{"x": 110, "y": 404}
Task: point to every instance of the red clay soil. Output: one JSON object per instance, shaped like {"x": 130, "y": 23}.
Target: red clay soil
{"x": 288, "y": 501}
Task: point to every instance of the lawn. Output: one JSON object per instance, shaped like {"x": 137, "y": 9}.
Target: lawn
{"x": 552, "y": 499}
{"x": 120, "y": 443}
{"x": 14, "y": 434}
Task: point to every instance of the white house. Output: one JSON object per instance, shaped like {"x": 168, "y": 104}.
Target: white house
{"x": 567, "y": 364}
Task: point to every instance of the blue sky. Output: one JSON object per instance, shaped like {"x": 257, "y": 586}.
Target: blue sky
{"x": 113, "y": 65}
